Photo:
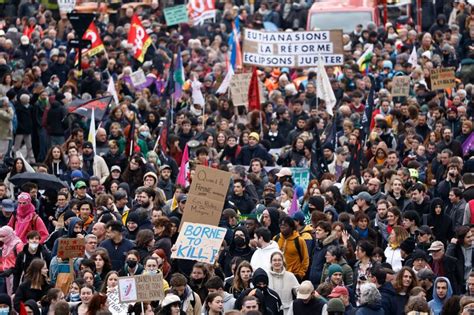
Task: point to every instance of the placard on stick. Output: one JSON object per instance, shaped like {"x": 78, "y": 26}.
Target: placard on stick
{"x": 141, "y": 288}
{"x": 200, "y": 242}
{"x": 71, "y": 247}
{"x": 176, "y": 15}
{"x": 442, "y": 78}
{"x": 401, "y": 86}
{"x": 239, "y": 89}
{"x": 206, "y": 196}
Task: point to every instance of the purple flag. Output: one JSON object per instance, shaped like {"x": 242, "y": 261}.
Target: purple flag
{"x": 294, "y": 204}
{"x": 468, "y": 144}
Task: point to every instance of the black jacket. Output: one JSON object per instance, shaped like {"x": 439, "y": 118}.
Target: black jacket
{"x": 25, "y": 119}
{"x": 54, "y": 119}
{"x": 441, "y": 225}
{"x": 455, "y": 250}
{"x": 389, "y": 299}
{"x": 23, "y": 261}
{"x": 248, "y": 153}
{"x": 450, "y": 266}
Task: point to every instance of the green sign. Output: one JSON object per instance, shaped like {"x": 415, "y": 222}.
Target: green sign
{"x": 300, "y": 176}
{"x": 176, "y": 15}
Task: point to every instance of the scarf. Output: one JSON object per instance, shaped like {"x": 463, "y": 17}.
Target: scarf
{"x": 24, "y": 215}
{"x": 88, "y": 163}
{"x": 10, "y": 240}
{"x": 362, "y": 233}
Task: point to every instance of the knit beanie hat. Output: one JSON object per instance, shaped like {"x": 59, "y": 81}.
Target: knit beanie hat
{"x": 333, "y": 269}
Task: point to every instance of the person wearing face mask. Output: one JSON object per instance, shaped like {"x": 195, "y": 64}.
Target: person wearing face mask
{"x": 238, "y": 247}
{"x": 33, "y": 249}
{"x": 26, "y": 219}
{"x": 198, "y": 279}
{"x": 74, "y": 230}
{"x": 5, "y": 304}
{"x": 11, "y": 245}
{"x": 132, "y": 265}
{"x": 152, "y": 268}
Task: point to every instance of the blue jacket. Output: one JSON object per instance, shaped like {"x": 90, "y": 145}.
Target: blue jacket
{"x": 318, "y": 259}
{"x": 117, "y": 252}
{"x": 436, "y": 304}
{"x": 370, "y": 309}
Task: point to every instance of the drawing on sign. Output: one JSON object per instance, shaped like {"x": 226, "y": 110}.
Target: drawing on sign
{"x": 401, "y": 86}
{"x": 142, "y": 288}
{"x": 138, "y": 77}
{"x": 292, "y": 49}
{"x": 442, "y": 78}
{"x": 127, "y": 290}
{"x": 200, "y": 242}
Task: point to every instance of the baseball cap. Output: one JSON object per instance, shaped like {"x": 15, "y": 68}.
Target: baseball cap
{"x": 8, "y": 205}
{"x": 338, "y": 291}
{"x": 305, "y": 290}
{"x": 88, "y": 145}
{"x": 364, "y": 196}
{"x": 80, "y": 184}
{"x": 170, "y": 299}
{"x": 116, "y": 168}
{"x": 284, "y": 172}
{"x": 436, "y": 246}
{"x": 165, "y": 166}
{"x": 76, "y": 173}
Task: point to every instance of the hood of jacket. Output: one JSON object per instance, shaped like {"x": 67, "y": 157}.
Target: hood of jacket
{"x": 382, "y": 146}
{"x": 436, "y": 202}
{"x": 259, "y": 275}
{"x": 70, "y": 227}
{"x": 435, "y": 294}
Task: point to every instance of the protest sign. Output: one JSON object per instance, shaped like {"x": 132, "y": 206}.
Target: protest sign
{"x": 176, "y": 15}
{"x": 115, "y": 307}
{"x": 206, "y": 196}
{"x": 292, "y": 49}
{"x": 71, "y": 247}
{"x": 141, "y": 288}
{"x": 239, "y": 89}
{"x": 138, "y": 77}
{"x": 401, "y": 85}
{"x": 442, "y": 78}
{"x": 201, "y": 10}
{"x": 200, "y": 242}
{"x": 300, "y": 176}
{"x": 66, "y": 5}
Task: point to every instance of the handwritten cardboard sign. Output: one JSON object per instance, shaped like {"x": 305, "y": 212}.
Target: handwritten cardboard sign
{"x": 200, "y": 242}
{"x": 141, "y": 288}
{"x": 115, "y": 307}
{"x": 442, "y": 78}
{"x": 176, "y": 15}
{"x": 71, "y": 247}
{"x": 401, "y": 85}
{"x": 138, "y": 77}
{"x": 239, "y": 89}
{"x": 206, "y": 196}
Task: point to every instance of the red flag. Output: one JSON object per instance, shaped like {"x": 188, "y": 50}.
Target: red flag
{"x": 184, "y": 169}
{"x": 254, "y": 92}
{"x": 93, "y": 35}
{"x": 138, "y": 38}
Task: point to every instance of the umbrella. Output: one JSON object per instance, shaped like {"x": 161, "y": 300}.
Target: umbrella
{"x": 43, "y": 180}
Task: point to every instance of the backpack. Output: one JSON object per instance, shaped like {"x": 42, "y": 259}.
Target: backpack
{"x": 297, "y": 245}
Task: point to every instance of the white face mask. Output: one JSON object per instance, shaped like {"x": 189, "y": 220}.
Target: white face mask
{"x": 33, "y": 246}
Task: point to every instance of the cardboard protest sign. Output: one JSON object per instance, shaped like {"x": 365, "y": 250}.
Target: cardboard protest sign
{"x": 200, "y": 242}
{"x": 239, "y": 89}
{"x": 401, "y": 86}
{"x": 206, "y": 196}
{"x": 292, "y": 49}
{"x": 176, "y": 15}
{"x": 442, "y": 78}
{"x": 138, "y": 77}
{"x": 141, "y": 288}
{"x": 115, "y": 307}
{"x": 71, "y": 247}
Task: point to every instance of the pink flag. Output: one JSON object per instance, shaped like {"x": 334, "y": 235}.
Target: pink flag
{"x": 294, "y": 204}
{"x": 183, "y": 170}
{"x": 468, "y": 144}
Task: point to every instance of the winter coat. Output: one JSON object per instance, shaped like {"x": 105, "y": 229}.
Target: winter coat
{"x": 451, "y": 272}
{"x": 297, "y": 261}
{"x": 248, "y": 153}
{"x": 370, "y": 309}
{"x": 6, "y": 123}
{"x": 233, "y": 251}
{"x": 394, "y": 257}
{"x": 436, "y": 304}
{"x": 25, "y": 119}
{"x": 389, "y": 300}
{"x": 261, "y": 257}
{"x": 318, "y": 258}
{"x": 54, "y": 118}
{"x": 314, "y": 306}
{"x": 441, "y": 225}
{"x": 456, "y": 251}
{"x": 283, "y": 283}
{"x": 23, "y": 261}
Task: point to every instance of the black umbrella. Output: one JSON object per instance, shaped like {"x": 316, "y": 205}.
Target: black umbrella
{"x": 43, "y": 180}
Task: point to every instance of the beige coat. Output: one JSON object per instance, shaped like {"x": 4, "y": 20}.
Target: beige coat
{"x": 6, "y": 126}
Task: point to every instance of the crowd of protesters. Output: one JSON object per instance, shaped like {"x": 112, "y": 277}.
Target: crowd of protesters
{"x": 384, "y": 226}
